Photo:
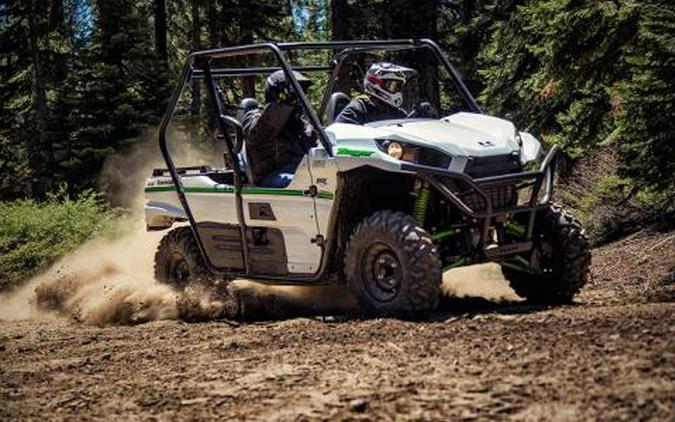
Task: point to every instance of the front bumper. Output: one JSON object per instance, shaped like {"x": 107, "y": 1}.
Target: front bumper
{"x": 532, "y": 189}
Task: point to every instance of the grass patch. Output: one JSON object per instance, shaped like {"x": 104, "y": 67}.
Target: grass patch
{"x": 34, "y": 234}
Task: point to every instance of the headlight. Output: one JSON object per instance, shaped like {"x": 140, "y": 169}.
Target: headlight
{"x": 395, "y": 150}
{"x": 412, "y": 153}
{"x": 399, "y": 150}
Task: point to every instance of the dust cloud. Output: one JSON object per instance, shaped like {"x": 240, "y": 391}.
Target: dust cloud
{"x": 110, "y": 280}
{"x": 106, "y": 281}
{"x": 482, "y": 281}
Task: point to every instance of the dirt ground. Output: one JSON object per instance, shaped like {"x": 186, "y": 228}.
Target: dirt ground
{"x": 610, "y": 356}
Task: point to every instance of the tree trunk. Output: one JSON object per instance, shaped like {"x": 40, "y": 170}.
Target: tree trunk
{"x": 246, "y": 37}
{"x": 160, "y": 31}
{"x": 339, "y": 13}
{"x": 38, "y": 148}
{"x": 338, "y": 19}
{"x": 57, "y": 24}
{"x": 212, "y": 22}
{"x": 195, "y": 44}
{"x": 428, "y": 29}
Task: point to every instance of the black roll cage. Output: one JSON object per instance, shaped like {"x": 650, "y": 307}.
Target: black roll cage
{"x": 198, "y": 66}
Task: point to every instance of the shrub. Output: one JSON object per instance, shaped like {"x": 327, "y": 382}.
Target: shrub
{"x": 608, "y": 205}
{"x": 34, "y": 234}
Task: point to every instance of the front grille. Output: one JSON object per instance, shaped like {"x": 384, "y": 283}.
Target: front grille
{"x": 502, "y": 198}
{"x": 432, "y": 158}
{"x": 495, "y": 165}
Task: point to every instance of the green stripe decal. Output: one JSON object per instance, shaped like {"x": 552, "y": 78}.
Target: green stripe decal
{"x": 160, "y": 188}
{"x": 245, "y": 191}
{"x": 354, "y": 152}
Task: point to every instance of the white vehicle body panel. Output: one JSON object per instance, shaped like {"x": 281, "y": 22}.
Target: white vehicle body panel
{"x": 301, "y": 217}
{"x": 461, "y": 134}
{"x": 212, "y": 202}
{"x": 531, "y": 149}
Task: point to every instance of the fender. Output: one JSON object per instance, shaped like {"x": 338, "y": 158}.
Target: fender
{"x": 160, "y": 216}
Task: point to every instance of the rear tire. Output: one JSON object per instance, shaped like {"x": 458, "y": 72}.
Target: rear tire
{"x": 178, "y": 260}
{"x": 392, "y": 266}
{"x": 562, "y": 255}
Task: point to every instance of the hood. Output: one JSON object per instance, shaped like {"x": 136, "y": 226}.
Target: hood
{"x": 461, "y": 134}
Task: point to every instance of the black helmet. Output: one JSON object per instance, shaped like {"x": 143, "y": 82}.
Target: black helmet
{"x": 276, "y": 85}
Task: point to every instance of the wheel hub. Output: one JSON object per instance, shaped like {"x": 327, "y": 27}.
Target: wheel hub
{"x": 179, "y": 271}
{"x": 382, "y": 271}
{"x": 542, "y": 256}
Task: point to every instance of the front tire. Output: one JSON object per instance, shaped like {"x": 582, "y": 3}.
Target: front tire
{"x": 392, "y": 266}
{"x": 561, "y": 258}
{"x": 178, "y": 260}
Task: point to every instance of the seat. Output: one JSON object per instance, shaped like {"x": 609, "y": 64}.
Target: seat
{"x": 246, "y": 105}
{"x": 336, "y": 102}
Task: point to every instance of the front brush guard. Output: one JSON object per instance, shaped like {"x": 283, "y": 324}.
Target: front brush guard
{"x": 536, "y": 179}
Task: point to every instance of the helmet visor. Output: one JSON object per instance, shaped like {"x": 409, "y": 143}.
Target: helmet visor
{"x": 392, "y": 85}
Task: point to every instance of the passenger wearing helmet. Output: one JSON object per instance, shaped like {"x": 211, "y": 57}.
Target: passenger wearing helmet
{"x": 383, "y": 86}
{"x": 277, "y": 137}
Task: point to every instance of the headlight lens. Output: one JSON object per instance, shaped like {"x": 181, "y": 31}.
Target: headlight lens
{"x": 413, "y": 153}
{"x": 395, "y": 150}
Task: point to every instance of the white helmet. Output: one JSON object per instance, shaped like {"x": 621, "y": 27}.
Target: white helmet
{"x": 386, "y": 80}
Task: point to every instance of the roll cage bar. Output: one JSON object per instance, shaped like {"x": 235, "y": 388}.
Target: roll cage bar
{"x": 198, "y": 66}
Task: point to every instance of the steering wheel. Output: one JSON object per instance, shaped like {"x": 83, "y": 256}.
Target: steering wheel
{"x": 423, "y": 110}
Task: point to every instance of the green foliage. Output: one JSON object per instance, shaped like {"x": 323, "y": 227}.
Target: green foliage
{"x": 587, "y": 73}
{"x": 645, "y": 102}
{"x": 15, "y": 173}
{"x": 610, "y": 208}
{"x": 548, "y": 66}
{"x": 118, "y": 87}
{"x": 584, "y": 74}
{"x": 34, "y": 234}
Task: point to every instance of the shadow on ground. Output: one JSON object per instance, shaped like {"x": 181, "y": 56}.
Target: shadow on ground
{"x": 465, "y": 292}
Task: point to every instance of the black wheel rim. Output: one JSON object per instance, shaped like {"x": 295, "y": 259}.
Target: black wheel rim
{"x": 543, "y": 256}
{"x": 178, "y": 270}
{"x": 381, "y": 272}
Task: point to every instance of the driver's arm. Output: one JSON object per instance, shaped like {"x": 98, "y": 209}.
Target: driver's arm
{"x": 355, "y": 113}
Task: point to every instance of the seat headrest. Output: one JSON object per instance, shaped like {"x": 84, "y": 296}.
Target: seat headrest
{"x": 336, "y": 102}
{"x": 246, "y": 105}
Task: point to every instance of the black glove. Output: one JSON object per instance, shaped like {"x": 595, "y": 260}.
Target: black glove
{"x": 425, "y": 109}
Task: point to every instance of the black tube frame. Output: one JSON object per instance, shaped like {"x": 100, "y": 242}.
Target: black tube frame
{"x": 198, "y": 66}
{"x": 545, "y": 174}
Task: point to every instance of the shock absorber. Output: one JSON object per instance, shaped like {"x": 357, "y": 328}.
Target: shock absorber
{"x": 422, "y": 203}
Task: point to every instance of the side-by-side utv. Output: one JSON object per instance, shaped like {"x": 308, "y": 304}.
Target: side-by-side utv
{"x": 385, "y": 207}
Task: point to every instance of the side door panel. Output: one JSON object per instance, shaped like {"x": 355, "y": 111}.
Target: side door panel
{"x": 281, "y": 225}
{"x": 290, "y": 211}
{"x": 324, "y": 173}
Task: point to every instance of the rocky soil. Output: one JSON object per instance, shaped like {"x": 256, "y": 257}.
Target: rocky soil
{"x": 610, "y": 356}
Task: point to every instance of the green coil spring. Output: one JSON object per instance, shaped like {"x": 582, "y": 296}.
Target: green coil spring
{"x": 422, "y": 203}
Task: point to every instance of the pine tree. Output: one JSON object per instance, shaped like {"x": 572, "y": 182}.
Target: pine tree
{"x": 644, "y": 104}
{"x": 548, "y": 68}
{"x": 118, "y": 84}
{"x": 584, "y": 73}
{"x": 33, "y": 45}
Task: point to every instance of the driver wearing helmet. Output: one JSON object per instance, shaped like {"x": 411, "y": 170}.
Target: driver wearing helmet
{"x": 277, "y": 137}
{"x": 383, "y": 86}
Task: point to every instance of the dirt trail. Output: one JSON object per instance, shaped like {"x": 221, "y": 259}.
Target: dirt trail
{"x": 610, "y": 356}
